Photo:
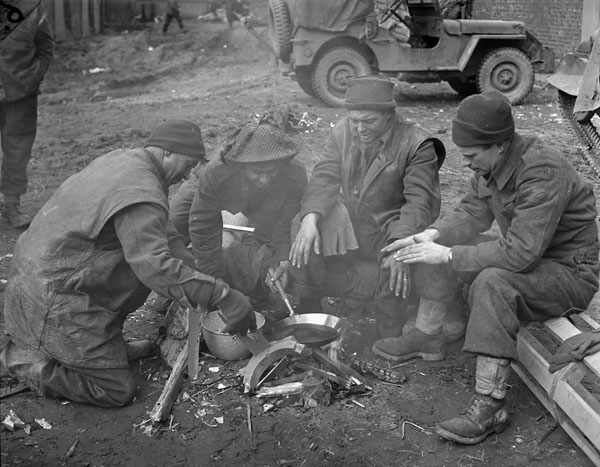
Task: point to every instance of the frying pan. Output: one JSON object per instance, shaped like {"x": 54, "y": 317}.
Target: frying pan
{"x": 312, "y": 329}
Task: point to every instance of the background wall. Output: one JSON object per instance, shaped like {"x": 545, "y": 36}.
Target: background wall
{"x": 558, "y": 24}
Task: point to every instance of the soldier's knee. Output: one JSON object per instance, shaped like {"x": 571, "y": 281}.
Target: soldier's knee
{"x": 125, "y": 391}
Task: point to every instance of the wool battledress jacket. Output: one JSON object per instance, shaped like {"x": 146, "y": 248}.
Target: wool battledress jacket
{"x": 78, "y": 270}
{"x": 543, "y": 208}
{"x": 221, "y": 187}
{"x": 23, "y": 66}
{"x": 391, "y": 189}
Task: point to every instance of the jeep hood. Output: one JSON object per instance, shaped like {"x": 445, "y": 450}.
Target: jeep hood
{"x": 330, "y": 15}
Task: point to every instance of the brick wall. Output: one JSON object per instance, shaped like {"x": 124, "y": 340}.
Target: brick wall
{"x": 556, "y": 23}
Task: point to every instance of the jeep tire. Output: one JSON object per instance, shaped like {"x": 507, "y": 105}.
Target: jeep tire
{"x": 332, "y": 70}
{"x": 280, "y": 29}
{"x": 507, "y": 70}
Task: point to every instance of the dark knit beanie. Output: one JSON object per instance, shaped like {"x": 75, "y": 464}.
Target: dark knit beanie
{"x": 483, "y": 119}
{"x": 178, "y": 136}
{"x": 369, "y": 93}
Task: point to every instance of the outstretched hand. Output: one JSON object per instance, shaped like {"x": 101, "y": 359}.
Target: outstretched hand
{"x": 426, "y": 252}
{"x": 428, "y": 235}
{"x": 308, "y": 238}
{"x": 400, "y": 282}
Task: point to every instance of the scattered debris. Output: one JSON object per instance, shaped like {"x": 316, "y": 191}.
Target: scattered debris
{"x": 12, "y": 421}
{"x": 43, "y": 423}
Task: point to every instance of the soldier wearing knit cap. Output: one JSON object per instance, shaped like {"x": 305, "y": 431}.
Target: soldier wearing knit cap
{"x": 90, "y": 257}
{"x": 543, "y": 264}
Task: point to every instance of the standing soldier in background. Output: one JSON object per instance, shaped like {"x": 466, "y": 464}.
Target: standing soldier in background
{"x": 25, "y": 55}
{"x": 171, "y": 14}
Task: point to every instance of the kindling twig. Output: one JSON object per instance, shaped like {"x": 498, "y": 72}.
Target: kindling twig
{"x": 249, "y": 416}
{"x": 480, "y": 459}
{"x": 423, "y": 430}
{"x": 71, "y": 449}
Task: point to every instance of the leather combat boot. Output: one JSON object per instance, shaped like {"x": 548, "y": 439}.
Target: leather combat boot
{"x": 454, "y": 324}
{"x": 483, "y": 416}
{"x": 139, "y": 349}
{"x": 410, "y": 345}
{"x": 12, "y": 213}
{"x": 387, "y": 328}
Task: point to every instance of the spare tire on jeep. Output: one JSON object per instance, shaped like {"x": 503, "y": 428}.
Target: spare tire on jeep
{"x": 280, "y": 29}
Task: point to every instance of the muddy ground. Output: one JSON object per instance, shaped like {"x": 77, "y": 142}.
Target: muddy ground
{"x": 109, "y": 92}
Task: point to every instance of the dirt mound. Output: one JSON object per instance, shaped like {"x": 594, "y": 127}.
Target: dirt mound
{"x": 127, "y": 56}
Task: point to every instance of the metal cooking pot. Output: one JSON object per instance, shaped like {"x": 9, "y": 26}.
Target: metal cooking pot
{"x": 224, "y": 345}
{"x": 313, "y": 329}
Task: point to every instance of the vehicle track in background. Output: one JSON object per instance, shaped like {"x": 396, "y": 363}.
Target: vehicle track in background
{"x": 586, "y": 133}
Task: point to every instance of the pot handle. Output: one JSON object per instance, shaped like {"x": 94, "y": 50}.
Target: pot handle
{"x": 283, "y": 295}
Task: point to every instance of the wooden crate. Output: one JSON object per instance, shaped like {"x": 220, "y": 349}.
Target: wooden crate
{"x": 562, "y": 393}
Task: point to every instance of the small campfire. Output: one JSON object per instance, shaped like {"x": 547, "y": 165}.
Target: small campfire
{"x": 280, "y": 372}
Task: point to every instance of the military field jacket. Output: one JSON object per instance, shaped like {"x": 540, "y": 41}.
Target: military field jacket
{"x": 399, "y": 194}
{"x": 72, "y": 283}
{"x": 543, "y": 207}
{"x": 25, "y": 56}
{"x": 222, "y": 187}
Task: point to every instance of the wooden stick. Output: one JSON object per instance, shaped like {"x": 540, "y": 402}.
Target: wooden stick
{"x": 249, "y": 417}
{"x": 71, "y": 449}
{"x": 165, "y": 402}
{"x": 193, "y": 341}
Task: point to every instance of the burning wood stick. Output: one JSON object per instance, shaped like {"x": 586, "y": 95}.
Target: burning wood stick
{"x": 282, "y": 390}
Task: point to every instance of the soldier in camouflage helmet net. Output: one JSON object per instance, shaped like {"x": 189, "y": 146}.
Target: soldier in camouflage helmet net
{"x": 252, "y": 174}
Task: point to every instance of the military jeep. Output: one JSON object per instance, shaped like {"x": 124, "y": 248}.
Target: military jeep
{"x": 323, "y": 43}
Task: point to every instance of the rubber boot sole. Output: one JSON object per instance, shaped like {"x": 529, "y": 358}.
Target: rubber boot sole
{"x": 426, "y": 356}
{"x": 477, "y": 439}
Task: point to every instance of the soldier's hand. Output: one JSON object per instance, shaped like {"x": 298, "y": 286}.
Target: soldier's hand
{"x": 427, "y": 253}
{"x": 308, "y": 237}
{"x": 399, "y": 276}
{"x": 238, "y": 313}
{"x": 428, "y": 235}
{"x": 280, "y": 273}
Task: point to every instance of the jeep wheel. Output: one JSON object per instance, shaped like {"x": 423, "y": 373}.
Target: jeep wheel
{"x": 280, "y": 29}
{"x": 303, "y": 77}
{"x": 464, "y": 88}
{"x": 332, "y": 70}
{"x": 507, "y": 70}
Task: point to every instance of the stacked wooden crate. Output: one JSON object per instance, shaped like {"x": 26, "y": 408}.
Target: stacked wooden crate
{"x": 571, "y": 393}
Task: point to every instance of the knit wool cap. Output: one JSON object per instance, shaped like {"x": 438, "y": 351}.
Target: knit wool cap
{"x": 178, "y": 136}
{"x": 483, "y": 119}
{"x": 260, "y": 142}
{"x": 369, "y": 93}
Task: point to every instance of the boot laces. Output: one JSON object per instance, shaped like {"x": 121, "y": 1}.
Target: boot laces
{"x": 473, "y": 407}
